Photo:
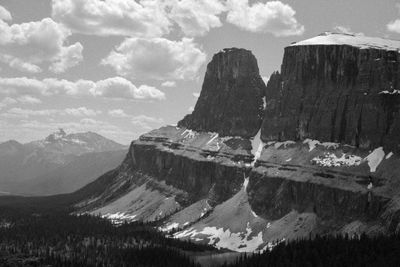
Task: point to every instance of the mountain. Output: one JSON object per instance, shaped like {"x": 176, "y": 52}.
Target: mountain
{"x": 312, "y": 166}
{"x": 60, "y": 163}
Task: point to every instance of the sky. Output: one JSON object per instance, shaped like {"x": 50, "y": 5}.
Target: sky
{"x": 123, "y": 67}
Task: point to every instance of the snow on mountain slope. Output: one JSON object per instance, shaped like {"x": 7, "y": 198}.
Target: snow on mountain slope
{"x": 356, "y": 40}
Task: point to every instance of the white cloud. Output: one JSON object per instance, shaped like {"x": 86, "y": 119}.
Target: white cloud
{"x": 7, "y": 101}
{"x": 28, "y": 44}
{"x": 4, "y": 14}
{"x": 394, "y": 26}
{"x": 117, "y": 113}
{"x": 27, "y": 99}
{"x": 196, "y": 17}
{"x": 26, "y": 113}
{"x": 82, "y": 111}
{"x": 168, "y": 84}
{"x": 144, "y": 18}
{"x": 156, "y": 58}
{"x": 116, "y": 87}
{"x": 196, "y": 95}
{"x": 18, "y": 64}
{"x": 119, "y": 87}
{"x": 273, "y": 17}
{"x": 146, "y": 122}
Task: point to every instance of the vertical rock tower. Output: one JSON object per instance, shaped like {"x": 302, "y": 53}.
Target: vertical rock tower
{"x": 230, "y": 102}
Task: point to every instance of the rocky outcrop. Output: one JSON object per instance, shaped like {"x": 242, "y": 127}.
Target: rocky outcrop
{"x": 337, "y": 88}
{"x": 230, "y": 102}
{"x": 218, "y": 186}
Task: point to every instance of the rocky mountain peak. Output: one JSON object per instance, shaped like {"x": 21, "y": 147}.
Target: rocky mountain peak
{"x": 57, "y": 135}
{"x": 230, "y": 102}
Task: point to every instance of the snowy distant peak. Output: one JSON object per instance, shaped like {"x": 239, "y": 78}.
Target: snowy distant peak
{"x": 356, "y": 40}
{"x": 59, "y": 134}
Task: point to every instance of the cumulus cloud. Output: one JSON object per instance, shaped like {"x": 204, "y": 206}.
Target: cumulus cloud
{"x": 26, "y": 45}
{"x": 273, "y": 17}
{"x": 168, "y": 84}
{"x": 18, "y": 64}
{"x": 4, "y": 14}
{"x": 147, "y": 122}
{"x": 119, "y": 87}
{"x": 196, "y": 17}
{"x": 140, "y": 58}
{"x": 394, "y": 25}
{"x": 144, "y": 18}
{"x": 117, "y": 113}
{"x": 115, "y": 87}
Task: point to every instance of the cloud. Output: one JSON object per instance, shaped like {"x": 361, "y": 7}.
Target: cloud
{"x": 191, "y": 109}
{"x": 18, "y": 64}
{"x": 26, "y": 99}
{"x": 394, "y": 26}
{"x": 7, "y": 101}
{"x": 119, "y": 87}
{"x": 146, "y": 122}
{"x": 4, "y": 14}
{"x": 115, "y": 87}
{"x": 144, "y": 18}
{"x": 82, "y": 111}
{"x": 196, "y": 17}
{"x": 156, "y": 58}
{"x": 26, "y": 113}
{"x": 28, "y": 44}
{"x": 272, "y": 17}
{"x": 117, "y": 113}
{"x": 196, "y": 95}
{"x": 168, "y": 84}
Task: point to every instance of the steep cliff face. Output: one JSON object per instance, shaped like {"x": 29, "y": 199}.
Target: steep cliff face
{"x": 338, "y": 88}
{"x": 230, "y": 102}
{"x": 229, "y": 192}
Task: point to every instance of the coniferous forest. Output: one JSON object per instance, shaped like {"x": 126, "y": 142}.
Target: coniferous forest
{"x": 53, "y": 237}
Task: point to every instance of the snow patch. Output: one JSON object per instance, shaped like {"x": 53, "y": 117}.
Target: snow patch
{"x": 284, "y": 144}
{"x": 356, "y": 40}
{"x": 213, "y": 138}
{"x": 313, "y": 143}
{"x": 388, "y": 156}
{"x": 331, "y": 160}
{"x": 375, "y": 158}
{"x": 256, "y": 147}
{"x": 220, "y": 238}
{"x": 189, "y": 134}
{"x": 246, "y": 182}
{"x": 254, "y": 214}
{"x": 386, "y": 92}
{"x": 169, "y": 227}
{"x": 119, "y": 217}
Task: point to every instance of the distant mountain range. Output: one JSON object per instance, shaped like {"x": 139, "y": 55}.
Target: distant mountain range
{"x": 60, "y": 163}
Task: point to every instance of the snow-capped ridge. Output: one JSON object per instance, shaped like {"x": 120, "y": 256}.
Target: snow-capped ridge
{"x": 355, "y": 40}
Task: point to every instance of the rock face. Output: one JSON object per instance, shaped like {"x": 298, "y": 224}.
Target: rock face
{"x": 230, "y": 102}
{"x": 338, "y": 88}
{"x": 217, "y": 186}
